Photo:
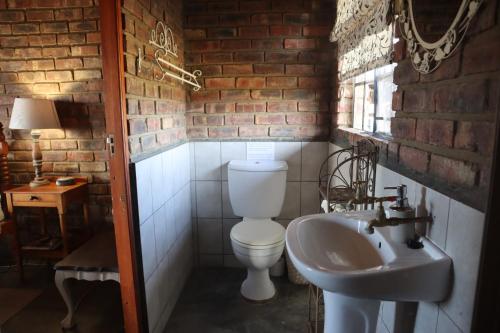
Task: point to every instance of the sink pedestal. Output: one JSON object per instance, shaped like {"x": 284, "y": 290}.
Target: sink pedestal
{"x": 344, "y": 314}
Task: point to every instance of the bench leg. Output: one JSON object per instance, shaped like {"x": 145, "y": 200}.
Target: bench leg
{"x": 61, "y": 283}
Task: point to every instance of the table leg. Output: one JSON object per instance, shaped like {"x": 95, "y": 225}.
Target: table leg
{"x": 64, "y": 235}
{"x": 61, "y": 283}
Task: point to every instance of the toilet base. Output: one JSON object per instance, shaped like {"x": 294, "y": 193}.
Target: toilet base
{"x": 258, "y": 285}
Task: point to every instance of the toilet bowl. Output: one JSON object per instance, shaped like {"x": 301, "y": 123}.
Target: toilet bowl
{"x": 258, "y": 246}
{"x": 257, "y": 192}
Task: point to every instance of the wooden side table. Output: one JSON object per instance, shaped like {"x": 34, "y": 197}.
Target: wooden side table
{"x": 50, "y": 196}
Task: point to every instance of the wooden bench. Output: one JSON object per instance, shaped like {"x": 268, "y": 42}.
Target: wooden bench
{"x": 93, "y": 261}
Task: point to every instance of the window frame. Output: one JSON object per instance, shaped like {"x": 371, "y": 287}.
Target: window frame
{"x": 375, "y": 81}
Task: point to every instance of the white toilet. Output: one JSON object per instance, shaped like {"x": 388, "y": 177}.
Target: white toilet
{"x": 257, "y": 192}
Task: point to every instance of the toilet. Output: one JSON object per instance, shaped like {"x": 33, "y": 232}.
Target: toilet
{"x": 256, "y": 192}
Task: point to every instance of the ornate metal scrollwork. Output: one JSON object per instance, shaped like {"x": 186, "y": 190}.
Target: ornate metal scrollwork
{"x": 163, "y": 38}
{"x": 425, "y": 56}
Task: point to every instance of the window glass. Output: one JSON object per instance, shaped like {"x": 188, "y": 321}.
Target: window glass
{"x": 373, "y": 100}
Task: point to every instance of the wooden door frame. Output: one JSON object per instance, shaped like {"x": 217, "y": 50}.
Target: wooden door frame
{"x": 116, "y": 127}
{"x": 487, "y": 306}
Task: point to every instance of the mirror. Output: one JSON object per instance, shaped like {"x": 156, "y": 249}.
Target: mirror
{"x": 434, "y": 29}
{"x": 432, "y": 18}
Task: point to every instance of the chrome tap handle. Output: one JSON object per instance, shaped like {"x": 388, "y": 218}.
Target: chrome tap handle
{"x": 401, "y": 190}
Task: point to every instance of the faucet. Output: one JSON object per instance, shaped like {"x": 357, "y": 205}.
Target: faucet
{"x": 382, "y": 220}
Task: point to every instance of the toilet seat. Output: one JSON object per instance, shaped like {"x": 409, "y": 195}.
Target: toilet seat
{"x": 258, "y": 235}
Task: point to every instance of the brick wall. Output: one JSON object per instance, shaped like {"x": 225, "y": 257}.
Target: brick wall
{"x": 50, "y": 49}
{"x": 443, "y": 132}
{"x": 155, "y": 109}
{"x": 266, "y": 68}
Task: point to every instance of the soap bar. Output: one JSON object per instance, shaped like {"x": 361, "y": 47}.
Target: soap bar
{"x": 64, "y": 181}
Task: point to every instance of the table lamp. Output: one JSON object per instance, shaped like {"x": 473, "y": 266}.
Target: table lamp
{"x": 34, "y": 114}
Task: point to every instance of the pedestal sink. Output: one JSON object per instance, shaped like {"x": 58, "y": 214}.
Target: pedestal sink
{"x": 357, "y": 270}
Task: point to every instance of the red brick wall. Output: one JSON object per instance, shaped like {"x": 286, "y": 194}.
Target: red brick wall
{"x": 155, "y": 109}
{"x": 50, "y": 49}
{"x": 443, "y": 132}
{"x": 266, "y": 68}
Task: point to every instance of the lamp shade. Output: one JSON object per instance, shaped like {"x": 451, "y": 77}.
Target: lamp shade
{"x": 31, "y": 113}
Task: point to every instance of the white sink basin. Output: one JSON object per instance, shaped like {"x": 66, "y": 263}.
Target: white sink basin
{"x": 357, "y": 270}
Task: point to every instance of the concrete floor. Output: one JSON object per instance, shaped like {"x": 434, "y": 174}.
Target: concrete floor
{"x": 211, "y": 303}
{"x": 99, "y": 311}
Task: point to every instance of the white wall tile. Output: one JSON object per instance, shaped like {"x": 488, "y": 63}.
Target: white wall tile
{"x": 291, "y": 205}
{"x": 170, "y": 224}
{"x": 193, "y": 199}
{"x": 446, "y": 325}
{"x": 163, "y": 182}
{"x": 209, "y": 199}
{"x": 227, "y": 209}
{"x": 143, "y": 182}
{"x": 156, "y": 173}
{"x": 208, "y": 160}
{"x": 164, "y": 289}
{"x": 291, "y": 153}
{"x": 313, "y": 154}
{"x": 153, "y": 301}
{"x": 231, "y": 151}
{"x": 148, "y": 247}
{"x": 381, "y": 327}
{"x": 161, "y": 233}
{"x": 430, "y": 202}
{"x": 227, "y": 225}
{"x": 182, "y": 209}
{"x": 309, "y": 198}
{"x": 192, "y": 161}
{"x": 178, "y": 168}
{"x": 388, "y": 315}
{"x": 210, "y": 236}
{"x": 426, "y": 320}
{"x": 168, "y": 173}
{"x": 463, "y": 245}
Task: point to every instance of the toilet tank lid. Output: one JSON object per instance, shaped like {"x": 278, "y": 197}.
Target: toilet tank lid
{"x": 257, "y": 165}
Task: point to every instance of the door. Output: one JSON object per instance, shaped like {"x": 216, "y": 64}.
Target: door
{"x": 114, "y": 101}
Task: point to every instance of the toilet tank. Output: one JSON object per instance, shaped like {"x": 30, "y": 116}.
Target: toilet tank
{"x": 257, "y": 187}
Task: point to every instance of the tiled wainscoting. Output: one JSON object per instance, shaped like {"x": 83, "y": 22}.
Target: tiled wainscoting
{"x": 213, "y": 217}
{"x": 457, "y": 229}
{"x": 164, "y": 209}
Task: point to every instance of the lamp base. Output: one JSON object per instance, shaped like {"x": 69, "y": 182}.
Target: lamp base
{"x": 39, "y": 182}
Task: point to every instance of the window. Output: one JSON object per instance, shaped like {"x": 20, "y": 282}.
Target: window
{"x": 373, "y": 100}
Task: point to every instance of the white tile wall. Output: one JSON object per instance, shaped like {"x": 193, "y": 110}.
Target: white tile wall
{"x": 164, "y": 207}
{"x": 210, "y": 195}
{"x": 231, "y": 151}
{"x": 313, "y": 154}
{"x": 209, "y": 158}
{"x": 209, "y": 199}
{"x": 463, "y": 245}
{"x": 457, "y": 229}
{"x": 292, "y": 153}
{"x": 446, "y": 325}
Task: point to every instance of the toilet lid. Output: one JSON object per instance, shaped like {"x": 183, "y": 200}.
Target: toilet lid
{"x": 258, "y": 234}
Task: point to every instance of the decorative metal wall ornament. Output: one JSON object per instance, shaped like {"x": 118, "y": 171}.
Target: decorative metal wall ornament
{"x": 425, "y": 56}
{"x": 163, "y": 39}
{"x": 364, "y": 33}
